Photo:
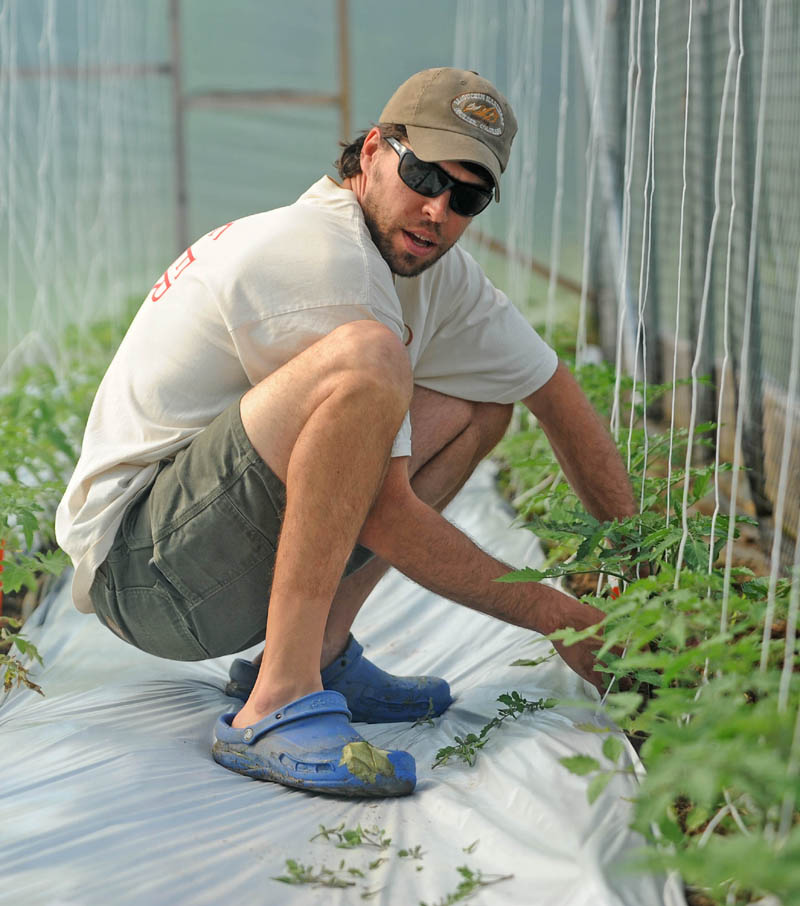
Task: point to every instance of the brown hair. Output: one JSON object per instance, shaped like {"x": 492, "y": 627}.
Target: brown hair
{"x": 349, "y": 164}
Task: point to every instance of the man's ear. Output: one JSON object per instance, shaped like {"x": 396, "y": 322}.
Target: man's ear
{"x": 370, "y": 148}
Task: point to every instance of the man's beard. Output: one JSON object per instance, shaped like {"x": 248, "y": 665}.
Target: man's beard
{"x": 401, "y": 263}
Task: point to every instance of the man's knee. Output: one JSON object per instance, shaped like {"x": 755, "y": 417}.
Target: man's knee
{"x": 372, "y": 358}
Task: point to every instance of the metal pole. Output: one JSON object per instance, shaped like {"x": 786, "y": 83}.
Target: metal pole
{"x": 181, "y": 192}
{"x": 344, "y": 68}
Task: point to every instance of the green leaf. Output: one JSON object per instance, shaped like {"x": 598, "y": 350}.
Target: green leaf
{"x": 580, "y": 764}
{"x": 30, "y": 524}
{"x": 528, "y": 574}
{"x": 597, "y": 785}
{"x": 622, "y": 704}
{"x": 613, "y": 747}
{"x": 366, "y": 761}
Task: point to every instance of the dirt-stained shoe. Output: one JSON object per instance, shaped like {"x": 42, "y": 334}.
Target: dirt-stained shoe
{"x": 373, "y": 695}
{"x": 309, "y": 744}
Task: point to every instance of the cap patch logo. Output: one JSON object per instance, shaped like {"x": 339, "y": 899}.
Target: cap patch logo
{"x": 479, "y": 110}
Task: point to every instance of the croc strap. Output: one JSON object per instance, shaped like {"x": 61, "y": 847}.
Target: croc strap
{"x": 314, "y": 705}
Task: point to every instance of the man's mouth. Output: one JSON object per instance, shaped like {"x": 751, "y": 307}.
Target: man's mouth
{"x": 417, "y": 241}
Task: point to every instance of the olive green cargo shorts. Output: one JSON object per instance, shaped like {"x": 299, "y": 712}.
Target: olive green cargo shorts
{"x": 189, "y": 574}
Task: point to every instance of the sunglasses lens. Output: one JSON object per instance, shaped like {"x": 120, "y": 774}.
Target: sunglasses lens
{"x": 468, "y": 202}
{"x": 422, "y": 177}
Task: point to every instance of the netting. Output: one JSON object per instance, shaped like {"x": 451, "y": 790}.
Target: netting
{"x": 682, "y": 221}
{"x": 83, "y": 145}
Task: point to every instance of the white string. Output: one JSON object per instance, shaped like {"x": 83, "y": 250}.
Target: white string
{"x": 11, "y": 184}
{"x": 790, "y": 642}
{"x": 635, "y": 351}
{"x": 644, "y": 263}
{"x": 631, "y": 108}
{"x": 726, "y": 304}
{"x": 526, "y": 96}
{"x": 555, "y": 250}
{"x": 792, "y": 771}
{"x": 6, "y": 139}
{"x": 745, "y": 357}
{"x": 712, "y": 233}
{"x": 680, "y": 263}
{"x": 783, "y": 483}
{"x": 45, "y": 146}
{"x": 517, "y": 58}
{"x": 592, "y": 155}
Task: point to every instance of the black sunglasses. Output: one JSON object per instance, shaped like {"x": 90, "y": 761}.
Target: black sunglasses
{"x": 431, "y": 180}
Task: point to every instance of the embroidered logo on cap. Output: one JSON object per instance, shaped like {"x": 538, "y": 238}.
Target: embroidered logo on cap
{"x": 479, "y": 110}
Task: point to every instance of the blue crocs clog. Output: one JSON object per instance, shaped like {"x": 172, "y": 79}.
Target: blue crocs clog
{"x": 373, "y": 696}
{"x": 309, "y": 744}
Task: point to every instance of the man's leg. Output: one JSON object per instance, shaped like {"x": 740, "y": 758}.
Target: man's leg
{"x": 450, "y": 437}
{"x": 324, "y": 423}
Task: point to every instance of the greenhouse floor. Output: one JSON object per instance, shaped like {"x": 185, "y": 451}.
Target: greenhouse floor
{"x": 109, "y": 793}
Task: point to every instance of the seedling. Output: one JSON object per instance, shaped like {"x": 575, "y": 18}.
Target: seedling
{"x": 471, "y": 882}
{"x": 523, "y": 662}
{"x": 297, "y": 873}
{"x": 466, "y": 748}
{"x": 16, "y": 673}
{"x": 426, "y": 719}
{"x": 350, "y": 838}
{"x": 415, "y": 853}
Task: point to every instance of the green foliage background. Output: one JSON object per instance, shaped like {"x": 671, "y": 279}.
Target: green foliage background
{"x": 42, "y": 419}
{"x": 708, "y": 695}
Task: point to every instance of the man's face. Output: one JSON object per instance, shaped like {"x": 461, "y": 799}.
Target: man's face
{"x": 410, "y": 231}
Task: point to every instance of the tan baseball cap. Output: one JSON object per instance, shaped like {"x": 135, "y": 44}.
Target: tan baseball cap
{"x": 454, "y": 114}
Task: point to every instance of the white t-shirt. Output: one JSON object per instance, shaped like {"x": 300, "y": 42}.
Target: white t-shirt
{"x": 241, "y": 302}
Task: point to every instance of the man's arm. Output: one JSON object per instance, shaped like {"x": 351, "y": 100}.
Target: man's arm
{"x": 428, "y": 549}
{"x": 583, "y": 446}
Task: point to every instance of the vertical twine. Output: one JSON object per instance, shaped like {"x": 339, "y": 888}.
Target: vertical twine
{"x": 783, "y": 482}
{"x": 631, "y": 109}
{"x": 726, "y": 305}
{"x": 743, "y": 393}
{"x": 680, "y": 259}
{"x": 592, "y": 154}
{"x": 644, "y": 262}
{"x": 555, "y": 251}
{"x": 729, "y": 67}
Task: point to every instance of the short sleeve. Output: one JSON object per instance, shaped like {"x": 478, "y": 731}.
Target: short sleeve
{"x": 482, "y": 349}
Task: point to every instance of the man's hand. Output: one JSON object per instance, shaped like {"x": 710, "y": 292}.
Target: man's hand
{"x": 580, "y": 656}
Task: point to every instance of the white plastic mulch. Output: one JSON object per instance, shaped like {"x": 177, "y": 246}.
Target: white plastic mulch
{"x": 109, "y": 795}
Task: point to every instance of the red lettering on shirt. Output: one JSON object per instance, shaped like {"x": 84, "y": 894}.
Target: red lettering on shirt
{"x": 177, "y": 267}
{"x": 162, "y": 285}
{"x": 215, "y": 234}
{"x": 182, "y": 263}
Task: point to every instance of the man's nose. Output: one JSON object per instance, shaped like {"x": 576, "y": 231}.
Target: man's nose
{"x": 436, "y": 208}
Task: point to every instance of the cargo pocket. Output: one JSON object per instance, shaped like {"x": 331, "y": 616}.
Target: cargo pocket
{"x": 156, "y": 625}
{"x": 212, "y": 550}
